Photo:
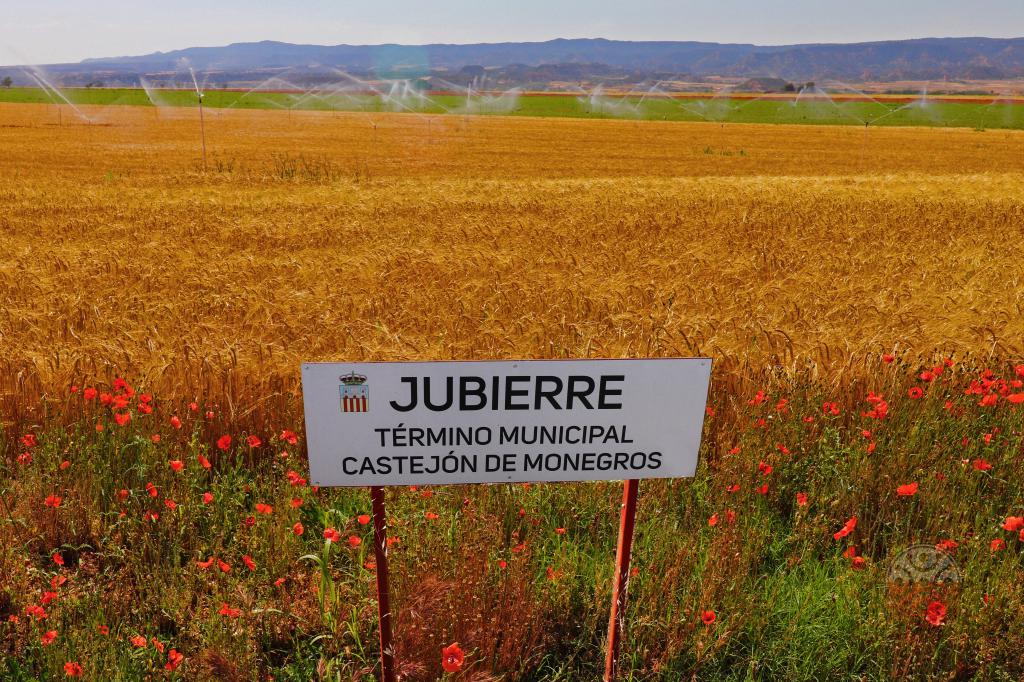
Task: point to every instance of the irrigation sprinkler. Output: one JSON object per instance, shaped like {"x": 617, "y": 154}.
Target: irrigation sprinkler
{"x": 202, "y": 129}
{"x": 202, "y": 123}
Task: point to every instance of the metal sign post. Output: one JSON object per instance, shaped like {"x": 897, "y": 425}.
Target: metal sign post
{"x": 622, "y": 556}
{"x": 380, "y": 557}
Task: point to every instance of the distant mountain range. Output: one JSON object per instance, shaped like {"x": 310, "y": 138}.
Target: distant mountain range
{"x": 920, "y": 59}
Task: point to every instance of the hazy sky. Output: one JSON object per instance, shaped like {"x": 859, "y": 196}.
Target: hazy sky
{"x": 47, "y": 31}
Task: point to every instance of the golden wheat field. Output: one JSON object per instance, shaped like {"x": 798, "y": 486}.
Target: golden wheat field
{"x": 828, "y": 271}
{"x": 315, "y": 236}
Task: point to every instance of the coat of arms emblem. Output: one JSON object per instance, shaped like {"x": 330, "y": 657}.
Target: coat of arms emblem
{"x": 355, "y": 394}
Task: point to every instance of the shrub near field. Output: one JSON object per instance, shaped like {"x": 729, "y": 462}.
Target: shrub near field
{"x": 796, "y": 257}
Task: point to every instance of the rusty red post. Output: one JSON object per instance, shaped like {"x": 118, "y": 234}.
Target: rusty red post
{"x": 622, "y": 557}
{"x": 380, "y": 557}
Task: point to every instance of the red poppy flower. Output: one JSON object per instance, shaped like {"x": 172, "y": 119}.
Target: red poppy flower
{"x": 936, "y": 613}
{"x": 1016, "y": 398}
{"x": 157, "y": 644}
{"x": 801, "y": 499}
{"x": 37, "y": 612}
{"x": 176, "y": 465}
{"x": 998, "y": 545}
{"x": 452, "y": 658}
{"x": 170, "y": 504}
{"x": 89, "y": 393}
{"x": 430, "y": 515}
{"x": 888, "y": 358}
{"x": 354, "y": 541}
{"x": 298, "y": 529}
{"x": 138, "y": 641}
{"x": 72, "y": 669}
{"x": 708, "y": 617}
{"x": 262, "y": 508}
{"x": 57, "y": 559}
{"x": 279, "y": 582}
{"x": 29, "y": 440}
{"x": 205, "y": 564}
{"x": 289, "y": 437}
{"x": 713, "y": 519}
{"x": 907, "y": 490}
{"x": 151, "y": 489}
{"x": 915, "y": 392}
{"x": 253, "y": 442}
{"x": 48, "y": 597}
{"x": 560, "y": 531}
{"x": 734, "y": 488}
{"x": 1013, "y": 523}
{"x": 249, "y": 563}
{"x": 332, "y": 535}
{"x": 224, "y": 442}
{"x": 57, "y": 580}
{"x": 858, "y": 563}
{"x": 207, "y": 498}
{"x": 363, "y": 519}
{"x": 226, "y": 610}
{"x": 297, "y": 502}
{"x": 947, "y": 545}
{"x": 52, "y": 501}
{"x": 203, "y": 462}
{"x": 502, "y": 563}
{"x": 103, "y": 630}
{"x": 174, "y": 659}
{"x": 122, "y": 494}
{"x": 981, "y": 465}
{"x": 47, "y": 637}
{"x": 846, "y": 529}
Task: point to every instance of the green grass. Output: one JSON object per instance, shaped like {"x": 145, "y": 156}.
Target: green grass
{"x": 789, "y": 603}
{"x": 719, "y": 110}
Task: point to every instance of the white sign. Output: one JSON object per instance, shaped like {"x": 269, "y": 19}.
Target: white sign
{"x": 417, "y": 423}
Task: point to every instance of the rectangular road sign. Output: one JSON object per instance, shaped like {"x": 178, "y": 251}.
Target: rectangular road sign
{"x": 418, "y": 423}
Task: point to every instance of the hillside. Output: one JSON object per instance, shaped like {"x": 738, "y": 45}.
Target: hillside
{"x": 923, "y": 59}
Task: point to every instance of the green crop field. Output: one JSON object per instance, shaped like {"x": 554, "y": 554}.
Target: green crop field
{"x": 816, "y": 109}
